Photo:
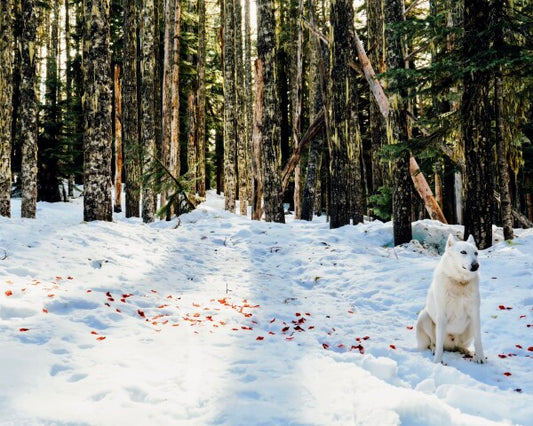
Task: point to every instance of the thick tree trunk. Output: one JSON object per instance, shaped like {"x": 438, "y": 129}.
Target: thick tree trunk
{"x": 377, "y": 126}
{"x": 230, "y": 138}
{"x": 257, "y": 209}
{"x": 341, "y": 95}
{"x": 6, "y": 93}
{"x": 132, "y": 148}
{"x": 397, "y": 127}
{"x": 97, "y": 105}
{"x": 476, "y": 128}
{"x": 166, "y": 100}
{"x": 147, "y": 40}
{"x": 118, "y": 141}
{"x": 242, "y": 148}
{"x": 28, "y": 109}
{"x": 248, "y": 93}
{"x": 271, "y": 136}
{"x": 200, "y": 95}
{"x": 175, "y": 93}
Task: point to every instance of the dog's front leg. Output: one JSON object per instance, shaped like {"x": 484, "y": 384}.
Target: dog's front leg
{"x": 479, "y": 357}
{"x": 440, "y": 330}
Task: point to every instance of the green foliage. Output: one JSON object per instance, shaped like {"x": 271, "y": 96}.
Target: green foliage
{"x": 381, "y": 203}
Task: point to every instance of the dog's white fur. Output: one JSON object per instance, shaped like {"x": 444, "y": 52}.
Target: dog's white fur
{"x": 450, "y": 320}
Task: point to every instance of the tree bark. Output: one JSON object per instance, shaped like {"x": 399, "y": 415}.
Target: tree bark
{"x": 191, "y": 137}
{"x": 242, "y": 148}
{"x": 476, "y": 128}
{"x": 97, "y": 105}
{"x": 257, "y": 208}
{"x": 6, "y": 93}
{"x": 175, "y": 93}
{"x": 147, "y": 40}
{"x": 200, "y": 95}
{"x": 248, "y": 94}
{"x": 28, "y": 109}
{"x": 132, "y": 148}
{"x": 118, "y": 141}
{"x": 271, "y": 134}
{"x": 230, "y": 140}
{"x": 397, "y": 127}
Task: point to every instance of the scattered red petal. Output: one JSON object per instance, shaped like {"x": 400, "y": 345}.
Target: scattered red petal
{"x": 196, "y": 305}
{"x": 101, "y": 338}
{"x": 366, "y": 337}
{"x": 59, "y": 278}
{"x": 340, "y": 346}
{"x": 110, "y": 299}
{"x": 209, "y": 317}
{"x": 118, "y": 310}
{"x": 507, "y": 374}
{"x": 259, "y": 338}
{"x": 310, "y": 327}
{"x": 298, "y": 328}
{"x": 9, "y": 293}
{"x": 51, "y": 295}
{"x": 502, "y": 356}
{"x": 325, "y": 345}
{"x": 271, "y": 333}
{"x": 289, "y": 338}
{"x": 522, "y": 316}
{"x": 45, "y": 310}
{"x": 298, "y": 314}
{"x": 351, "y": 312}
{"x": 409, "y": 327}
{"x": 70, "y": 278}
{"x": 247, "y": 315}
{"x": 89, "y": 291}
{"x": 94, "y": 332}
{"x": 501, "y": 307}
{"x": 308, "y": 314}
{"x": 108, "y": 294}
{"x": 153, "y": 291}
{"x": 392, "y": 347}
{"x": 519, "y": 346}
{"x": 23, "y": 329}
{"x": 246, "y": 328}
{"x": 141, "y": 313}
{"x": 285, "y": 329}
{"x": 272, "y": 320}
{"x": 107, "y": 304}
{"x": 530, "y": 349}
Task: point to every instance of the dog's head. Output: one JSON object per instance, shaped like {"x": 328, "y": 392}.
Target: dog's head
{"x": 463, "y": 253}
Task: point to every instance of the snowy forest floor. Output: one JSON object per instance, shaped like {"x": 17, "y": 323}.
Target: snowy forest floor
{"x": 216, "y": 319}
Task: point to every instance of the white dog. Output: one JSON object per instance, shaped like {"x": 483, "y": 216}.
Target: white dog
{"x": 450, "y": 319}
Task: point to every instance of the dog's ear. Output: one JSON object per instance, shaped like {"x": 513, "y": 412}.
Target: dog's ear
{"x": 471, "y": 240}
{"x": 450, "y": 242}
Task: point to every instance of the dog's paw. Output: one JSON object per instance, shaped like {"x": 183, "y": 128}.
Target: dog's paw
{"x": 480, "y": 359}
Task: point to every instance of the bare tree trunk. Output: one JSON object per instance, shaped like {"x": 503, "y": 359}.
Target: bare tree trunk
{"x": 257, "y": 209}
{"x": 118, "y": 141}
{"x": 147, "y": 40}
{"x": 97, "y": 106}
{"x": 242, "y": 148}
{"x": 297, "y": 110}
{"x": 166, "y": 98}
{"x": 191, "y": 137}
{"x": 230, "y": 138}
{"x": 28, "y": 110}
{"x": 476, "y": 128}
{"x": 201, "y": 136}
{"x": 248, "y": 94}
{"x": 6, "y": 93}
{"x": 132, "y": 148}
{"x": 174, "y": 164}
{"x": 271, "y": 134}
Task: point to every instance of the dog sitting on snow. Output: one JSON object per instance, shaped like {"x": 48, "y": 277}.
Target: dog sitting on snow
{"x": 450, "y": 320}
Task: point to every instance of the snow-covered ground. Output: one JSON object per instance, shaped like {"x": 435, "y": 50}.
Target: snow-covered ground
{"x": 216, "y": 319}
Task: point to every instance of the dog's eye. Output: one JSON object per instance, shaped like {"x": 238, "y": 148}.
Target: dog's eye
{"x": 475, "y": 253}
{"x": 463, "y": 252}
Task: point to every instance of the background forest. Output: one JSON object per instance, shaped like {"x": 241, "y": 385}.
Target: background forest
{"x": 384, "y": 108}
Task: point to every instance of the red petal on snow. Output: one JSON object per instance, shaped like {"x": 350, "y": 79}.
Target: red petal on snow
{"x": 507, "y": 374}
{"x": 502, "y": 356}
{"x": 101, "y": 338}
{"x": 530, "y": 349}
{"x": 285, "y": 329}
{"x": 272, "y": 320}
{"x": 23, "y": 329}
{"x": 409, "y": 327}
{"x": 325, "y": 345}
{"x": 51, "y": 295}
{"x": 141, "y": 313}
{"x": 108, "y": 294}
{"x": 298, "y": 314}
{"x": 522, "y": 316}
{"x": 70, "y": 278}
{"x": 259, "y": 338}
{"x": 271, "y": 333}
{"x": 45, "y": 310}
{"x": 9, "y": 293}
{"x": 89, "y": 291}
{"x": 366, "y": 337}
{"x": 519, "y": 346}
{"x": 392, "y": 347}
{"x": 94, "y": 332}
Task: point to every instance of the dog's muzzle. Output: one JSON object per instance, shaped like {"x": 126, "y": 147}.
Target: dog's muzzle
{"x": 474, "y": 267}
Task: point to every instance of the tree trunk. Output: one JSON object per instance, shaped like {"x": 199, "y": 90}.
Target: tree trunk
{"x": 118, "y": 141}
{"x": 97, "y": 105}
{"x": 248, "y": 94}
{"x": 166, "y": 100}
{"x": 297, "y": 109}
{"x": 257, "y": 209}
{"x": 242, "y": 148}
{"x": 476, "y": 128}
{"x": 191, "y": 137}
{"x": 230, "y": 138}
{"x": 28, "y": 110}
{"x": 174, "y": 158}
{"x": 377, "y": 126}
{"x": 6, "y": 92}
{"x": 271, "y": 136}
{"x": 201, "y": 135}
{"x": 147, "y": 40}
{"x": 397, "y": 127}
{"x": 341, "y": 95}
{"x": 132, "y": 148}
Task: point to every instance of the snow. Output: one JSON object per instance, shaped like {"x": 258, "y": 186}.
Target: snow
{"x": 216, "y": 319}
